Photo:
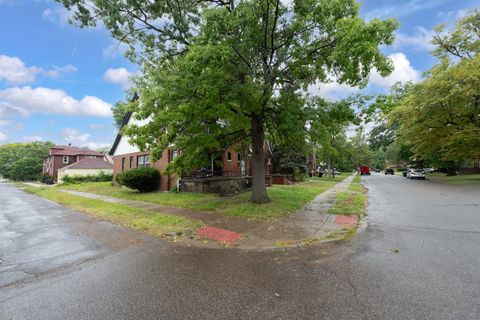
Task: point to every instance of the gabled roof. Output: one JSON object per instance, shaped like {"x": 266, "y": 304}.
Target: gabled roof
{"x": 89, "y": 163}
{"x": 72, "y": 151}
{"x": 127, "y": 117}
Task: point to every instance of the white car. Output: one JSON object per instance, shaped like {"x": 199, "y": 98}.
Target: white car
{"x": 416, "y": 174}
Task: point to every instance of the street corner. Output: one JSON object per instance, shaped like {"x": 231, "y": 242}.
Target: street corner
{"x": 217, "y": 234}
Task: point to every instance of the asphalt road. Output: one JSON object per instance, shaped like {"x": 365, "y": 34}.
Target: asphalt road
{"x": 419, "y": 258}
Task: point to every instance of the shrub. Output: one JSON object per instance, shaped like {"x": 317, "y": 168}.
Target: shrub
{"x": 141, "y": 179}
{"x": 45, "y": 179}
{"x": 101, "y": 177}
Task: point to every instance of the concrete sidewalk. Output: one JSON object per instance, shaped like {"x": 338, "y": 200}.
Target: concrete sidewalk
{"x": 309, "y": 224}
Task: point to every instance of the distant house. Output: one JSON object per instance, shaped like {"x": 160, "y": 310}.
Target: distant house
{"x": 127, "y": 156}
{"x": 62, "y": 156}
{"x": 85, "y": 167}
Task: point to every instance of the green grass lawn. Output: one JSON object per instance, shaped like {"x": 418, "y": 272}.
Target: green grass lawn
{"x": 286, "y": 199}
{"x": 460, "y": 179}
{"x": 353, "y": 201}
{"x": 151, "y": 222}
{"x": 337, "y": 178}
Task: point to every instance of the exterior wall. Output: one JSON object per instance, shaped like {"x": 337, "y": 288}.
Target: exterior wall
{"x": 80, "y": 172}
{"x": 167, "y": 181}
{"x": 52, "y": 163}
{"x": 233, "y": 167}
{"x": 124, "y": 147}
{"x": 218, "y": 185}
{"x": 57, "y": 163}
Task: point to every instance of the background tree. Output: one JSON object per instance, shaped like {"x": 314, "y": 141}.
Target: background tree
{"x": 23, "y": 161}
{"x": 440, "y": 117}
{"x": 234, "y": 62}
{"x": 119, "y": 110}
{"x": 329, "y": 121}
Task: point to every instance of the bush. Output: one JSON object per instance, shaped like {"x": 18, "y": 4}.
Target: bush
{"x": 141, "y": 179}
{"x": 45, "y": 179}
{"x": 101, "y": 177}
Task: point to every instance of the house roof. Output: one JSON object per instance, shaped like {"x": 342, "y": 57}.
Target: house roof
{"x": 88, "y": 163}
{"x": 127, "y": 117}
{"x": 73, "y": 151}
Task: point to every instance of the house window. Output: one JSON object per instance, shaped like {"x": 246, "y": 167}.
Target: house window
{"x": 238, "y": 157}
{"x": 131, "y": 162}
{"x": 229, "y": 156}
{"x": 174, "y": 154}
{"x": 65, "y": 159}
{"x": 92, "y": 157}
{"x": 123, "y": 164}
{"x": 143, "y": 161}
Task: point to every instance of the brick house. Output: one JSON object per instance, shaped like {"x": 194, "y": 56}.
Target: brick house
{"x": 62, "y": 156}
{"x": 127, "y": 156}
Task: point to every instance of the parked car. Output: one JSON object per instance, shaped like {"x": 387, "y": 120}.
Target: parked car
{"x": 364, "y": 170}
{"x": 416, "y": 174}
{"x": 389, "y": 171}
{"x": 405, "y": 171}
{"x": 377, "y": 170}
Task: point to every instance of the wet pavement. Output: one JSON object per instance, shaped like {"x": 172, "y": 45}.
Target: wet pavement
{"x": 419, "y": 258}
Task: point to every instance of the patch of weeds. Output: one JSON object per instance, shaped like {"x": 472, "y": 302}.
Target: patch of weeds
{"x": 353, "y": 201}
{"x": 283, "y": 243}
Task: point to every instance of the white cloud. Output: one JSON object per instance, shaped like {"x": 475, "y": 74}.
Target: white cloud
{"x": 421, "y": 40}
{"x": 119, "y": 76}
{"x": 56, "y": 71}
{"x": 58, "y": 15}
{"x": 4, "y": 123}
{"x": 76, "y": 138}
{"x": 29, "y": 100}
{"x": 3, "y": 136}
{"x": 403, "y": 8}
{"x": 332, "y": 90}
{"x": 114, "y": 49}
{"x": 32, "y": 138}
{"x": 403, "y": 72}
{"x": 14, "y": 71}
{"x": 454, "y": 14}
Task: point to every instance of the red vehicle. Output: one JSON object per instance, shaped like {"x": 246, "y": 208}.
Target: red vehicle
{"x": 364, "y": 170}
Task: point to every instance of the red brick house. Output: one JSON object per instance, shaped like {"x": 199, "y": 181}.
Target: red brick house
{"x": 127, "y": 156}
{"x": 62, "y": 156}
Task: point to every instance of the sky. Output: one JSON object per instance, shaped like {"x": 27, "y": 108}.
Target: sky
{"x": 58, "y": 82}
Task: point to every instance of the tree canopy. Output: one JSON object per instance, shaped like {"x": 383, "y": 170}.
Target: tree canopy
{"x": 437, "y": 121}
{"x": 23, "y": 161}
{"x": 215, "y": 73}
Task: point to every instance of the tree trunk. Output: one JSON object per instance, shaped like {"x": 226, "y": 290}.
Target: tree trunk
{"x": 259, "y": 188}
{"x": 451, "y": 170}
{"x": 333, "y": 168}
{"x": 329, "y": 162}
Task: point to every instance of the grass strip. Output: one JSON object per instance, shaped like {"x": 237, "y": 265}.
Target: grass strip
{"x": 460, "y": 179}
{"x": 148, "y": 221}
{"x": 285, "y": 199}
{"x": 353, "y": 201}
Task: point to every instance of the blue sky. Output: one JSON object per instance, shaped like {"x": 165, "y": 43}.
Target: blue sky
{"x": 58, "y": 82}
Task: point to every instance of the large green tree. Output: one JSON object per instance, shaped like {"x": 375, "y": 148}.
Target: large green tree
{"x": 23, "y": 161}
{"x": 440, "y": 117}
{"x": 217, "y": 72}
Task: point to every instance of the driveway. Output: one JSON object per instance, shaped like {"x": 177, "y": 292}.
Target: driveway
{"x": 418, "y": 259}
